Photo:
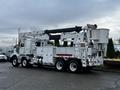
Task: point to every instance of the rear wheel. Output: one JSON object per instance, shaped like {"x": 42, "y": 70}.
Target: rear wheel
{"x": 60, "y": 65}
{"x": 15, "y": 61}
{"x": 74, "y": 66}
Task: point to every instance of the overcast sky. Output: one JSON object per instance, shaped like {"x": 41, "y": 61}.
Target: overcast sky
{"x": 45, "y": 14}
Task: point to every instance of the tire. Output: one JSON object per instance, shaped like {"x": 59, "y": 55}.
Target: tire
{"x": 60, "y": 65}
{"x": 25, "y": 63}
{"x": 74, "y": 66}
{"x": 15, "y": 61}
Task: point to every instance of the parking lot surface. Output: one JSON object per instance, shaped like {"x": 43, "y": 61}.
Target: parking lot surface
{"x": 12, "y": 78}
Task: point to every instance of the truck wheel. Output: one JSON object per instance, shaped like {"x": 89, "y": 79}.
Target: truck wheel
{"x": 15, "y": 62}
{"x": 24, "y": 63}
{"x": 60, "y": 65}
{"x": 74, "y": 66}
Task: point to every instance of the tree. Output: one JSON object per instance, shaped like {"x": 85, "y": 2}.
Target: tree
{"x": 110, "y": 49}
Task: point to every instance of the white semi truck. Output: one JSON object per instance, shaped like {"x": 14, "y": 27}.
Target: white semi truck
{"x": 73, "y": 49}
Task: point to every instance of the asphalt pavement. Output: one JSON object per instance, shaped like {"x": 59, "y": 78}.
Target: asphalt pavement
{"x": 12, "y": 78}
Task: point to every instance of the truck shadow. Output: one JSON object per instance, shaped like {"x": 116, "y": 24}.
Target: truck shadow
{"x": 52, "y": 69}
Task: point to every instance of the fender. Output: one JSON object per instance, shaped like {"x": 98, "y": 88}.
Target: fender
{"x": 14, "y": 54}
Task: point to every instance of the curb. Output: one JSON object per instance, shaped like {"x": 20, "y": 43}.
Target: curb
{"x": 107, "y": 69}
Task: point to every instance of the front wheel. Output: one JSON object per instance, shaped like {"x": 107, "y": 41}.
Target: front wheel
{"x": 15, "y": 62}
{"x": 74, "y": 66}
{"x": 25, "y": 63}
{"x": 60, "y": 65}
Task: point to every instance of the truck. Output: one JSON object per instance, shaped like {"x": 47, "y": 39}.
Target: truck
{"x": 74, "y": 49}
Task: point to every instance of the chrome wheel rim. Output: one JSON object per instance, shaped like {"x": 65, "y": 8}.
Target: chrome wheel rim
{"x": 73, "y": 67}
{"x": 24, "y": 63}
{"x": 59, "y": 66}
{"x": 14, "y": 62}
